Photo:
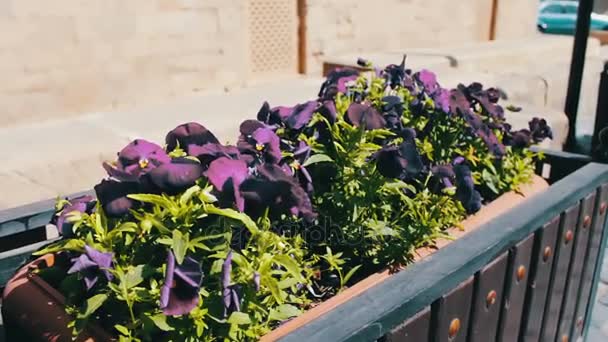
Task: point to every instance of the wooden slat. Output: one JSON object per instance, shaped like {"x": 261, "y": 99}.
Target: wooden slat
{"x": 599, "y": 219}
{"x": 559, "y": 274}
{"x": 450, "y": 314}
{"x": 415, "y": 329}
{"x": 515, "y": 290}
{"x": 489, "y": 289}
{"x": 576, "y": 268}
{"x": 543, "y": 256}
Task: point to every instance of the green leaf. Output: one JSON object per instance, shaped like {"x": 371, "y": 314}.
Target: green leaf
{"x": 133, "y": 277}
{"x": 160, "y": 320}
{"x": 235, "y": 215}
{"x": 283, "y": 312}
{"x": 122, "y": 329}
{"x": 239, "y": 318}
{"x": 75, "y": 245}
{"x": 317, "y": 158}
{"x": 180, "y": 246}
{"x": 154, "y": 199}
{"x": 350, "y": 273}
{"x": 291, "y": 266}
{"x": 92, "y": 305}
{"x": 187, "y": 195}
{"x": 206, "y": 196}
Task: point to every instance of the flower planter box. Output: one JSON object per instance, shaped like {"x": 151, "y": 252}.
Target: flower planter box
{"x": 460, "y": 290}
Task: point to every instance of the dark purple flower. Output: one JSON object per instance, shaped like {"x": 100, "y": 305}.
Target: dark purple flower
{"x": 179, "y": 293}
{"x": 392, "y": 110}
{"x": 402, "y": 162}
{"x": 136, "y": 159}
{"x": 226, "y": 175}
{"x": 459, "y": 103}
{"x": 229, "y": 294}
{"x": 465, "y": 189}
{"x": 395, "y": 75}
{"x": 189, "y": 133}
{"x": 328, "y": 110}
{"x": 263, "y": 144}
{"x": 247, "y": 127}
{"x": 176, "y": 176}
{"x": 518, "y": 139}
{"x": 82, "y": 204}
{"x": 336, "y": 82}
{"x": 364, "y": 115}
{"x": 475, "y": 94}
{"x": 445, "y": 174}
{"x": 540, "y": 130}
{"x": 442, "y": 100}
{"x": 427, "y": 80}
{"x": 296, "y": 167}
{"x": 210, "y": 152}
{"x": 90, "y": 264}
{"x": 276, "y": 190}
{"x": 494, "y": 146}
{"x": 113, "y": 196}
{"x": 301, "y": 115}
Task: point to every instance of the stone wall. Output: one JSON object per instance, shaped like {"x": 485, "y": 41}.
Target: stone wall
{"x": 343, "y": 26}
{"x": 65, "y": 57}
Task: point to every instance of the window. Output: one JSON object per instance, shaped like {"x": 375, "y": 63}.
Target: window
{"x": 553, "y": 9}
{"x": 571, "y": 9}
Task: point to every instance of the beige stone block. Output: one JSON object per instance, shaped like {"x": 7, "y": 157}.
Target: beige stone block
{"x": 175, "y": 23}
{"x": 516, "y": 19}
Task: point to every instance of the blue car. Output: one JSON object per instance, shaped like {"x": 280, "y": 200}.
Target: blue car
{"x": 560, "y": 17}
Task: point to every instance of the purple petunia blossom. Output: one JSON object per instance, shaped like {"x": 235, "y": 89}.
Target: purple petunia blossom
{"x": 176, "y": 176}
{"x": 179, "y": 293}
{"x": 230, "y": 296}
{"x": 428, "y": 81}
{"x": 395, "y": 75}
{"x": 442, "y": 100}
{"x": 445, "y": 174}
{"x": 227, "y": 175}
{"x": 301, "y": 115}
{"x": 136, "y": 159}
{"x": 276, "y": 190}
{"x": 540, "y": 130}
{"x": 465, "y": 189}
{"x": 264, "y": 144}
{"x": 402, "y": 162}
{"x": 113, "y": 196}
{"x": 210, "y": 152}
{"x": 336, "y": 82}
{"x": 364, "y": 115}
{"x": 328, "y": 111}
{"x": 90, "y": 264}
{"x": 82, "y": 204}
{"x": 189, "y": 133}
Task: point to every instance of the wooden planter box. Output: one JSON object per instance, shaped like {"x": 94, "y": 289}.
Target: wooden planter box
{"x": 529, "y": 272}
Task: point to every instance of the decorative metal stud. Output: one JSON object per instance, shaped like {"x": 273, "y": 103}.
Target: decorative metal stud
{"x": 587, "y": 221}
{"x": 521, "y": 272}
{"x": 603, "y": 208}
{"x": 454, "y": 328}
{"x": 547, "y": 253}
{"x": 565, "y": 338}
{"x": 490, "y": 298}
{"x": 579, "y": 323}
{"x": 569, "y": 235}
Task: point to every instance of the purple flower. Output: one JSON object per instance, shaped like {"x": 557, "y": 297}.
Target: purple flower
{"x": 247, "y": 127}
{"x": 518, "y": 139}
{"x": 176, "y": 176}
{"x": 189, "y": 133}
{"x": 210, "y": 152}
{"x": 364, "y": 115}
{"x": 276, "y": 190}
{"x": 402, "y": 162}
{"x": 427, "y": 80}
{"x": 136, "y": 159}
{"x": 475, "y": 94}
{"x": 392, "y": 110}
{"x": 465, "y": 189}
{"x": 300, "y": 155}
{"x": 337, "y": 81}
{"x": 82, "y": 204}
{"x": 90, "y": 264}
{"x": 540, "y": 130}
{"x": 113, "y": 196}
{"x": 442, "y": 100}
{"x": 229, "y": 294}
{"x": 396, "y": 75}
{"x": 272, "y": 116}
{"x": 301, "y": 115}
{"x": 264, "y": 144}
{"x": 445, "y": 174}
{"x": 227, "y": 175}
{"x": 179, "y": 293}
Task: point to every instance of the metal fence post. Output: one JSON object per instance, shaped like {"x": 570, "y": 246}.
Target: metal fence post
{"x": 577, "y": 67}
{"x": 599, "y": 142}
